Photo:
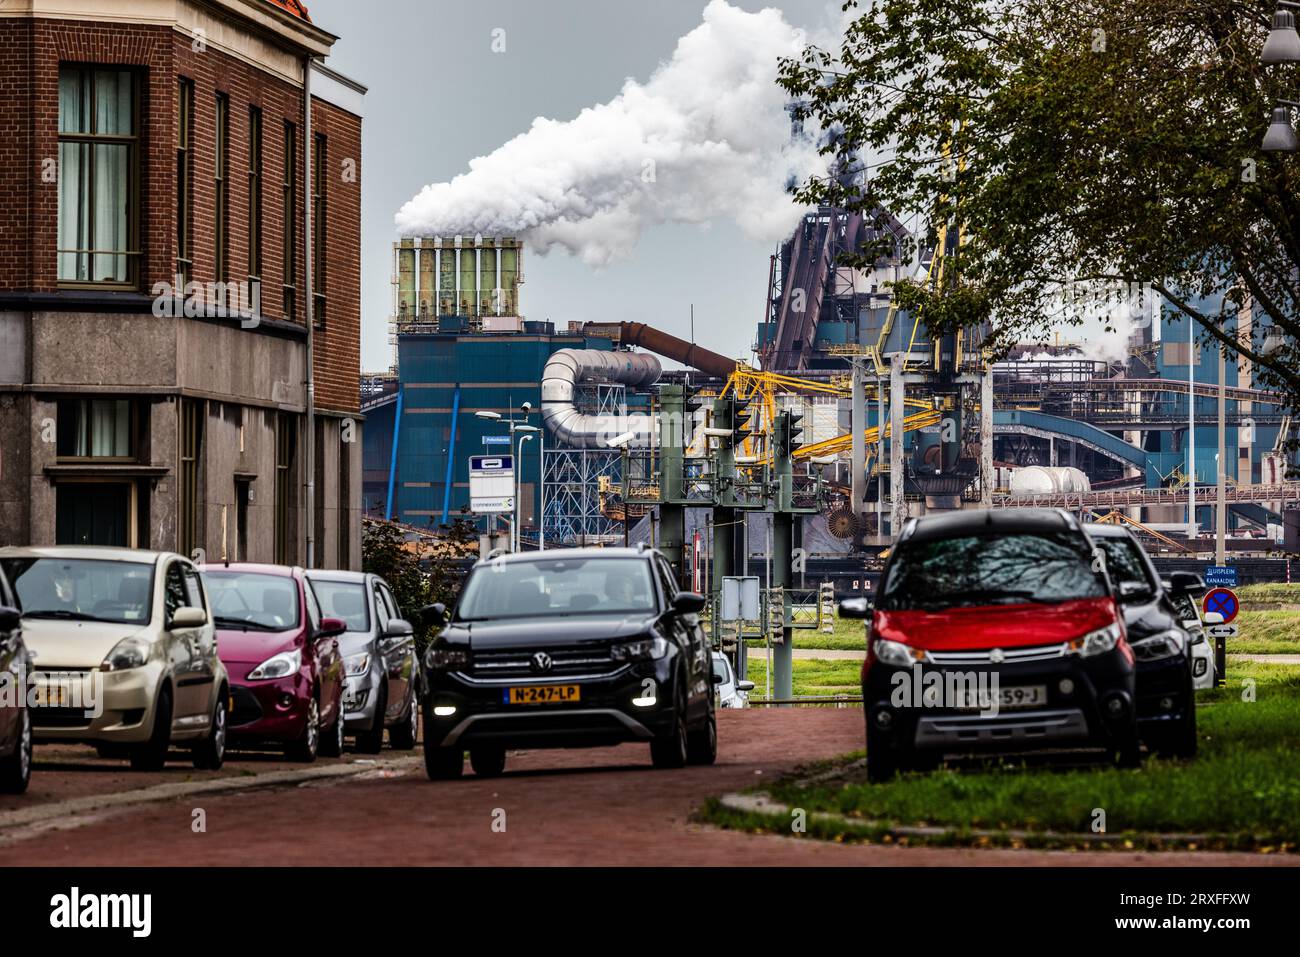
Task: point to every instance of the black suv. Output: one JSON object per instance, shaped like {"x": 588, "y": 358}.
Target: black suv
{"x": 568, "y": 648}
{"x": 1166, "y": 699}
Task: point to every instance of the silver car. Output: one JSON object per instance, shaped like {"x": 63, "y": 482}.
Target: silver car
{"x": 378, "y": 648}
{"x": 732, "y": 693}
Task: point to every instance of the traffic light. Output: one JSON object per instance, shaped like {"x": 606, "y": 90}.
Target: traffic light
{"x": 789, "y": 433}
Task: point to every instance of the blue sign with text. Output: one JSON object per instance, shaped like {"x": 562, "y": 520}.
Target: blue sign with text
{"x": 1221, "y": 576}
{"x": 496, "y": 440}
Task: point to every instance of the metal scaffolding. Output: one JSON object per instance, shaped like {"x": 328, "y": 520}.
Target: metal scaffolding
{"x": 570, "y": 478}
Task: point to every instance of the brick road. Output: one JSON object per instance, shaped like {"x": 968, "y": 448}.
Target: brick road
{"x": 593, "y": 807}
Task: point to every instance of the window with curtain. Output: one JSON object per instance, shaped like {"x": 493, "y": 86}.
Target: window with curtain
{"x": 96, "y": 429}
{"x": 318, "y": 203}
{"x": 290, "y": 208}
{"x": 97, "y": 159}
{"x": 184, "y": 178}
{"x": 220, "y": 202}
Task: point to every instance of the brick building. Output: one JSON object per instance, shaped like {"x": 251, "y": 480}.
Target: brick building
{"x": 170, "y": 219}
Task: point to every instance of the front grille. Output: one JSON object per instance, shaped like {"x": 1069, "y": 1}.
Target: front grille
{"x": 519, "y": 662}
{"x": 1009, "y": 656}
{"x": 59, "y": 717}
{"x": 244, "y": 707}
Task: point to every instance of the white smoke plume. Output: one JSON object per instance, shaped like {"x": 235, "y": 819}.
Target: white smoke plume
{"x": 707, "y": 137}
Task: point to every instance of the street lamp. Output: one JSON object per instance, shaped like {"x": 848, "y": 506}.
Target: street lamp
{"x": 1282, "y": 46}
{"x": 621, "y": 442}
{"x": 526, "y": 435}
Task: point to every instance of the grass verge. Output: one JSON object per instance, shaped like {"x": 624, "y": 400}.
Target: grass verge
{"x": 1242, "y": 791}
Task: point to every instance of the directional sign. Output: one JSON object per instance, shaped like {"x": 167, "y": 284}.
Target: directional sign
{"x": 496, "y": 440}
{"x": 1223, "y": 631}
{"x": 1224, "y": 602}
{"x": 1221, "y": 576}
{"x": 491, "y": 484}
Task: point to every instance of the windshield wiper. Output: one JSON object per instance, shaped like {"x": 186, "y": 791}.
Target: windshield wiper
{"x": 243, "y": 624}
{"x": 61, "y": 614}
{"x": 990, "y": 595}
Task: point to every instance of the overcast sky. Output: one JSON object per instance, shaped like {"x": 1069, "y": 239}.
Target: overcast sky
{"x": 439, "y": 96}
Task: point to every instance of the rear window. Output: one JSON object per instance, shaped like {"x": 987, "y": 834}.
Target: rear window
{"x": 990, "y": 570}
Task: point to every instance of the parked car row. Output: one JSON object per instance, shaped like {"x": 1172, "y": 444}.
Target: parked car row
{"x": 1034, "y": 631}
{"x": 140, "y": 652}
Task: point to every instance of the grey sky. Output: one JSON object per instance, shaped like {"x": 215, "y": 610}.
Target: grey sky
{"x": 439, "y": 97}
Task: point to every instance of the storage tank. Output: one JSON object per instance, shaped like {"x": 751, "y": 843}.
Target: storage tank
{"x": 509, "y": 276}
{"x": 428, "y": 269}
{"x": 468, "y": 278}
{"x": 447, "y": 279}
{"x": 1048, "y": 480}
{"x": 487, "y": 273}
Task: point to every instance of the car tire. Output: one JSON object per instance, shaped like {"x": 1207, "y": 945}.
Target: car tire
{"x": 670, "y": 749}
{"x": 443, "y": 764}
{"x": 1180, "y": 740}
{"x": 404, "y": 736}
{"x": 16, "y": 769}
{"x": 372, "y": 741}
{"x": 308, "y": 743}
{"x": 210, "y": 753}
{"x": 331, "y": 741}
{"x": 883, "y": 762}
{"x": 487, "y": 762}
{"x": 702, "y": 746}
{"x": 152, "y": 754}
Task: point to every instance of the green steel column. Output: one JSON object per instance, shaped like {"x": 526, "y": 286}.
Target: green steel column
{"x": 487, "y": 281}
{"x": 447, "y": 279}
{"x": 509, "y": 276}
{"x": 672, "y": 511}
{"x": 428, "y": 269}
{"x": 406, "y": 279}
{"x": 468, "y": 273}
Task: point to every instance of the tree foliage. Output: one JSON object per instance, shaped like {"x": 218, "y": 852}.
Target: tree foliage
{"x": 421, "y": 572}
{"x": 1102, "y": 141}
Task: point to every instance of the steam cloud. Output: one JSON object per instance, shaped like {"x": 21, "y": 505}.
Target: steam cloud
{"x": 706, "y": 137}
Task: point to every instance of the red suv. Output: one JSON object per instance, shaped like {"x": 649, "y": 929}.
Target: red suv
{"x": 993, "y": 631}
{"x": 286, "y": 672}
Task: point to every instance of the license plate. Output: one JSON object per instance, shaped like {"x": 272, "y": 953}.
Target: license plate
{"x": 54, "y": 695}
{"x": 541, "y": 694}
{"x": 1009, "y": 698}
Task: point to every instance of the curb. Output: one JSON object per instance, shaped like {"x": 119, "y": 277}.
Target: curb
{"x": 66, "y": 812}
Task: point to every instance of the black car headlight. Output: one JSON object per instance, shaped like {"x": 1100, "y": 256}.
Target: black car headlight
{"x": 1165, "y": 644}
{"x": 442, "y": 658}
{"x": 643, "y": 649}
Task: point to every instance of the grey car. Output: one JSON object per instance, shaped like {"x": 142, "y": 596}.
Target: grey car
{"x": 378, "y": 648}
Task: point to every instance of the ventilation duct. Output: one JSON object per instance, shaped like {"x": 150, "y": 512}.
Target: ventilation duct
{"x": 568, "y": 367}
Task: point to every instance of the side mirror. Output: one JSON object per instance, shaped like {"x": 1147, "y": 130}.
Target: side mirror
{"x": 1131, "y": 589}
{"x": 435, "y": 615}
{"x": 745, "y": 685}
{"x": 329, "y": 627}
{"x": 855, "y": 608}
{"x": 1186, "y": 583}
{"x": 187, "y": 616}
{"x": 688, "y": 602}
{"x": 1213, "y": 618}
{"x": 10, "y": 618}
{"x": 397, "y": 628}
{"x": 717, "y": 678}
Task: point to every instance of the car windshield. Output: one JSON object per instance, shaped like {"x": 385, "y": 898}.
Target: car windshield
{"x": 989, "y": 570}
{"x": 83, "y": 589}
{"x": 1124, "y": 563}
{"x": 555, "y": 587}
{"x": 252, "y": 601}
{"x": 345, "y": 600}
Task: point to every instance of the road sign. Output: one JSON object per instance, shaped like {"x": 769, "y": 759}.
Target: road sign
{"x": 740, "y": 598}
{"x": 496, "y": 440}
{"x": 1223, "y": 631}
{"x": 1222, "y": 601}
{"x": 491, "y": 484}
{"x": 1221, "y": 576}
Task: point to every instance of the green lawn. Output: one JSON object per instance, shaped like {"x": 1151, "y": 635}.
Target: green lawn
{"x": 1270, "y": 592}
{"x": 1267, "y": 633}
{"x": 1243, "y": 788}
{"x": 812, "y": 677}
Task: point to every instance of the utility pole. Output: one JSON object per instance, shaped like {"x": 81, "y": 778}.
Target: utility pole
{"x": 1221, "y": 506}
{"x": 986, "y": 437}
{"x": 857, "y": 426}
{"x": 897, "y": 496}
{"x": 1191, "y": 433}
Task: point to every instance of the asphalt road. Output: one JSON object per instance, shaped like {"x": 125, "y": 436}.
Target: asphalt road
{"x": 593, "y": 807}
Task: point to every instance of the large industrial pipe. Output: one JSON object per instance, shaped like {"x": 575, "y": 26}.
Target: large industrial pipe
{"x": 576, "y": 429}
{"x": 687, "y": 353}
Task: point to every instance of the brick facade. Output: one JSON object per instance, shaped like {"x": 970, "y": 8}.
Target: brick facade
{"x": 66, "y": 340}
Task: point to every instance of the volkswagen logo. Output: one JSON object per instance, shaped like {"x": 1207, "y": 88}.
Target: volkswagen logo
{"x": 541, "y": 662}
{"x": 997, "y": 656}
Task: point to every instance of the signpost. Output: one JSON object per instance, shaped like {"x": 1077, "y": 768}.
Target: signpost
{"x": 1221, "y": 576}
{"x": 1222, "y": 601}
{"x": 1225, "y": 603}
{"x": 491, "y": 484}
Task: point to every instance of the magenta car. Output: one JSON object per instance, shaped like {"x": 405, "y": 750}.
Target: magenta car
{"x": 286, "y": 672}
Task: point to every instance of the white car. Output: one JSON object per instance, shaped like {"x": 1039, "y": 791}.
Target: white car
{"x": 1195, "y": 623}
{"x": 731, "y": 693}
{"x": 125, "y": 652}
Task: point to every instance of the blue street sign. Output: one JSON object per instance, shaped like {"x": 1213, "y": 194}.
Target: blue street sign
{"x": 1221, "y": 576}
{"x": 496, "y": 440}
{"x": 486, "y": 464}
